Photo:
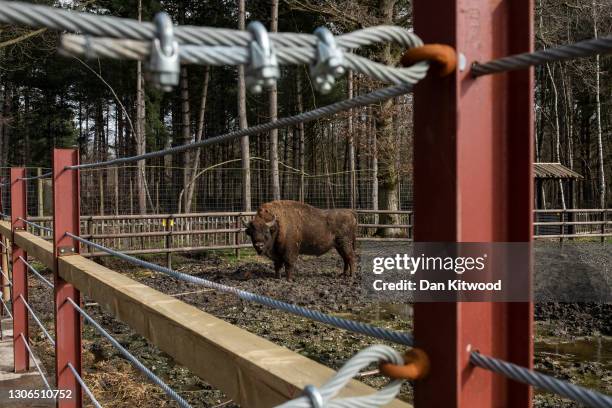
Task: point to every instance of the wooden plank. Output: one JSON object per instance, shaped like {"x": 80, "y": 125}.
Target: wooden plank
{"x": 251, "y": 370}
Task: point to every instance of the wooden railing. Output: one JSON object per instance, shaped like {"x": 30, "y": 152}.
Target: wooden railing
{"x": 573, "y": 224}
{"x": 181, "y": 233}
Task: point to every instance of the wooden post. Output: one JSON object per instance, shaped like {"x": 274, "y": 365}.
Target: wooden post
{"x": 603, "y": 225}
{"x": 20, "y": 277}
{"x": 169, "y": 229}
{"x": 237, "y": 235}
{"x": 572, "y": 205}
{"x": 40, "y": 194}
{"x": 66, "y": 204}
{"x": 562, "y": 219}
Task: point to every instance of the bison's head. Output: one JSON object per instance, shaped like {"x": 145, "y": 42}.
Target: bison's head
{"x": 263, "y": 234}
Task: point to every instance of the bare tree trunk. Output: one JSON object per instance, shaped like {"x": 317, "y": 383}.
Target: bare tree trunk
{"x": 351, "y": 145}
{"x": 388, "y": 180}
{"x": 199, "y": 134}
{"x": 300, "y": 108}
{"x": 557, "y": 130}
{"x": 185, "y": 160}
{"x": 273, "y": 113}
{"x": 374, "y": 162}
{"x": 140, "y": 137}
{"x": 245, "y": 153}
{"x": 600, "y": 156}
{"x": 5, "y": 126}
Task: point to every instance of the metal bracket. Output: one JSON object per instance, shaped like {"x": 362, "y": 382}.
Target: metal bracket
{"x": 330, "y": 61}
{"x": 66, "y": 250}
{"x": 262, "y": 70}
{"x": 164, "y": 66}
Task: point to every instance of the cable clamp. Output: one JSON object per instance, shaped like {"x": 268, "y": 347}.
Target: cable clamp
{"x": 262, "y": 71}
{"x": 330, "y": 61}
{"x": 164, "y": 66}
{"x": 314, "y": 396}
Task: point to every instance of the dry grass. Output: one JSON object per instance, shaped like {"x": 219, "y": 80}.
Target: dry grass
{"x": 118, "y": 384}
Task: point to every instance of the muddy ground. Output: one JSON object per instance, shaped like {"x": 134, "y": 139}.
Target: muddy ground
{"x": 573, "y": 340}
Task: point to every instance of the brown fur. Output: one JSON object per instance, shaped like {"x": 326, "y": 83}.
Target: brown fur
{"x": 284, "y": 229}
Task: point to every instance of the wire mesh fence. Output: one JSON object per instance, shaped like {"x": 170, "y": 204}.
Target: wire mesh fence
{"x": 115, "y": 190}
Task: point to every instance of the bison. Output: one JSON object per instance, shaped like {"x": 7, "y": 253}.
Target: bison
{"x": 283, "y": 229}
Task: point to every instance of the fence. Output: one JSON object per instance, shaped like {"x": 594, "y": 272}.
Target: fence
{"x": 227, "y": 357}
{"x": 573, "y": 224}
{"x": 112, "y": 191}
{"x": 456, "y": 158}
{"x": 181, "y": 233}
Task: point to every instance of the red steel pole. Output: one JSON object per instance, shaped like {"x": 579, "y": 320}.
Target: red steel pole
{"x": 473, "y": 155}
{"x": 20, "y": 277}
{"x": 66, "y": 200}
{"x": 3, "y": 281}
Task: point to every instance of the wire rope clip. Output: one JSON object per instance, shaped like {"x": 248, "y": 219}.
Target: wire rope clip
{"x": 164, "y": 66}
{"x": 330, "y": 61}
{"x": 314, "y": 396}
{"x": 416, "y": 366}
{"x": 262, "y": 71}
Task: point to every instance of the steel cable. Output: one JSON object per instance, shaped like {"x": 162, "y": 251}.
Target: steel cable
{"x": 367, "y": 99}
{"x": 35, "y": 272}
{"x": 366, "y": 357}
{"x": 41, "y": 176}
{"x": 42, "y": 327}
{"x": 6, "y": 277}
{"x": 33, "y": 15}
{"x": 31, "y": 224}
{"x": 6, "y": 307}
{"x": 84, "y": 386}
{"x": 581, "y": 49}
{"x": 574, "y": 392}
{"x": 223, "y": 46}
{"x": 40, "y": 371}
{"x": 148, "y": 373}
{"x": 76, "y": 45}
{"x": 350, "y": 325}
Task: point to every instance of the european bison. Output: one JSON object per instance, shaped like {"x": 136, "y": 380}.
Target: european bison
{"x": 283, "y": 229}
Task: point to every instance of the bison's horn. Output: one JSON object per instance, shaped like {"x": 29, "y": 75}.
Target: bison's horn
{"x": 272, "y": 223}
{"x": 244, "y": 223}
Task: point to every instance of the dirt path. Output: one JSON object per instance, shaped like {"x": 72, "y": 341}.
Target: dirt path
{"x": 317, "y": 285}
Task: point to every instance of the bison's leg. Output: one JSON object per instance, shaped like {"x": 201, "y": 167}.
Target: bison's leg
{"x": 346, "y": 251}
{"x": 289, "y": 266}
{"x": 290, "y": 260}
{"x": 277, "y": 268}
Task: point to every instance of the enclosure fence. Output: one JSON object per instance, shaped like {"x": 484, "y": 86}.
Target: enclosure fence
{"x": 165, "y": 321}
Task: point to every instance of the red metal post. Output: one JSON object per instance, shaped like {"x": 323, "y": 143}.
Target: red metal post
{"x": 473, "y": 183}
{"x": 20, "y": 277}
{"x": 66, "y": 200}
{"x": 3, "y": 281}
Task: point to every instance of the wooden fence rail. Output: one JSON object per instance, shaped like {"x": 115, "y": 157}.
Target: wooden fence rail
{"x": 253, "y": 371}
{"x": 181, "y": 233}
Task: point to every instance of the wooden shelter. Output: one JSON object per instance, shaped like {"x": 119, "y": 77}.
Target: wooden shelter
{"x": 546, "y": 172}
